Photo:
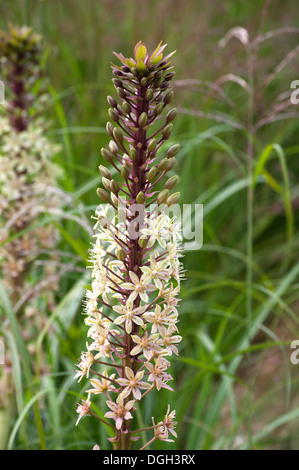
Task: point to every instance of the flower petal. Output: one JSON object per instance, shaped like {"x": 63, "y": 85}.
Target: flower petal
{"x": 134, "y": 277}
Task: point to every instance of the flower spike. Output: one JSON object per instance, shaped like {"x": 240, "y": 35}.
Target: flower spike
{"x": 131, "y": 307}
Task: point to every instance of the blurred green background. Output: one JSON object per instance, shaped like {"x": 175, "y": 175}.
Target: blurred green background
{"x": 235, "y": 385}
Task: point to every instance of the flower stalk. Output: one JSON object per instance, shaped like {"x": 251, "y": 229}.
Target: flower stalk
{"x": 28, "y": 190}
{"x": 131, "y": 306}
{"x": 27, "y": 171}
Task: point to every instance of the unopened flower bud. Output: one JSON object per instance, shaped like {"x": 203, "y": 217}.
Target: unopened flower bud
{"x": 107, "y": 155}
{"x": 140, "y": 198}
{"x": 173, "y": 199}
{"x": 152, "y": 145}
{"x": 173, "y": 150}
{"x": 114, "y": 187}
{"x": 103, "y": 194}
{"x": 159, "y": 75}
{"x": 171, "y": 163}
{"x": 117, "y": 82}
{"x": 159, "y": 108}
{"x": 140, "y": 51}
{"x": 164, "y": 85}
{"x": 121, "y": 254}
{"x": 105, "y": 172}
{"x": 149, "y": 94}
{"x": 114, "y": 199}
{"x": 168, "y": 97}
{"x": 125, "y": 172}
{"x": 171, "y": 182}
{"x": 167, "y": 131}
{"x": 118, "y": 135}
{"x": 133, "y": 154}
{"x": 121, "y": 93}
{"x": 158, "y": 81}
{"x": 113, "y": 147}
{"x": 113, "y": 114}
{"x": 171, "y": 115}
{"x": 142, "y": 120}
{"x": 106, "y": 183}
{"x": 162, "y": 197}
{"x": 109, "y": 128}
{"x": 152, "y": 173}
{"x": 112, "y": 101}
{"x": 117, "y": 73}
{"x": 126, "y": 107}
{"x": 169, "y": 75}
{"x": 162, "y": 165}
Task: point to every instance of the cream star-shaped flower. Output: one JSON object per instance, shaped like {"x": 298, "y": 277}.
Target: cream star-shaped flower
{"x": 86, "y": 361}
{"x": 96, "y": 319}
{"x": 146, "y": 345}
{"x": 156, "y": 271}
{"x": 166, "y": 426}
{"x": 129, "y": 315}
{"x": 139, "y": 287}
{"x": 158, "y": 230}
{"x": 104, "y": 385}
{"x": 120, "y": 411}
{"x": 133, "y": 383}
{"x": 83, "y": 409}
{"x": 158, "y": 373}
{"x": 169, "y": 341}
{"x": 160, "y": 317}
{"x": 170, "y": 294}
{"x": 169, "y": 422}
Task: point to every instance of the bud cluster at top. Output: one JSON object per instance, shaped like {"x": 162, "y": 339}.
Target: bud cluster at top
{"x": 143, "y": 88}
{"x": 20, "y": 69}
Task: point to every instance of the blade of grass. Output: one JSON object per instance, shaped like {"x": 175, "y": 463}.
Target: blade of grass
{"x": 7, "y": 310}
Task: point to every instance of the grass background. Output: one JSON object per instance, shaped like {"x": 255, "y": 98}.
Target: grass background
{"x": 235, "y": 384}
